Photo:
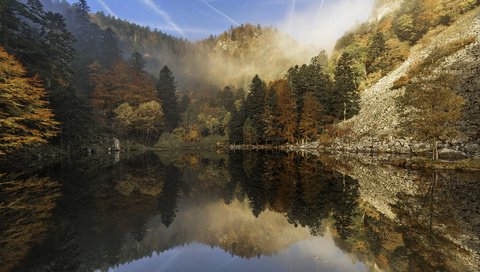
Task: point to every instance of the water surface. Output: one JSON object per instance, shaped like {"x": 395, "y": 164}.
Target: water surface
{"x": 242, "y": 211}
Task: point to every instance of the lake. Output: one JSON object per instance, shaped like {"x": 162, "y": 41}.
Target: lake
{"x": 238, "y": 211}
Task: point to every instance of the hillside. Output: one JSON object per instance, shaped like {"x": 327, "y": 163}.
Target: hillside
{"x": 241, "y": 52}
{"x": 454, "y": 50}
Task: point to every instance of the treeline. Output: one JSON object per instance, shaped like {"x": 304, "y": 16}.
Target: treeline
{"x": 64, "y": 78}
{"x": 298, "y": 107}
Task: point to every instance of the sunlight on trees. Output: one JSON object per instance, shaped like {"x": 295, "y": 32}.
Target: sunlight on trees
{"x": 24, "y": 116}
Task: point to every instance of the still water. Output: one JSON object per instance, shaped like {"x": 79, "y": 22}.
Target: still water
{"x": 242, "y": 211}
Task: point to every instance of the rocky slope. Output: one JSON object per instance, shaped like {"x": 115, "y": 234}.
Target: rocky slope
{"x": 376, "y": 128}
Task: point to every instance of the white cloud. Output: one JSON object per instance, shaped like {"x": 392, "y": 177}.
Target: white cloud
{"x": 322, "y": 25}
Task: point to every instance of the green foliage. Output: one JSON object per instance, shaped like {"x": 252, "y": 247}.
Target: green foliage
{"x": 346, "y": 88}
{"x": 375, "y": 51}
{"x": 166, "y": 90}
{"x": 137, "y": 61}
{"x": 254, "y": 109}
{"x": 408, "y": 24}
{"x": 144, "y": 121}
{"x": 235, "y": 126}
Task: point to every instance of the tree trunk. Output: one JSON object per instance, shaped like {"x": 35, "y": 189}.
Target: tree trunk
{"x": 434, "y": 150}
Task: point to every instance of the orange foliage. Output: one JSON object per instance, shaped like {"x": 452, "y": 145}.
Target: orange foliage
{"x": 24, "y": 116}
{"x": 286, "y": 108}
{"x": 119, "y": 85}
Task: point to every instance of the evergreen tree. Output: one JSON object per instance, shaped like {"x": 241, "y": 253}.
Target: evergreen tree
{"x": 226, "y": 98}
{"x": 166, "y": 90}
{"x": 254, "y": 107}
{"x": 346, "y": 86}
{"x": 11, "y": 26}
{"x": 375, "y": 50}
{"x": 320, "y": 83}
{"x": 60, "y": 52}
{"x": 88, "y": 37}
{"x": 110, "y": 53}
{"x": 137, "y": 61}
{"x": 82, "y": 6}
{"x": 272, "y": 129}
{"x": 235, "y": 126}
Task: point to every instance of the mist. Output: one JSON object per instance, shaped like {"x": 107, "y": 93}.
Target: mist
{"x": 321, "y": 24}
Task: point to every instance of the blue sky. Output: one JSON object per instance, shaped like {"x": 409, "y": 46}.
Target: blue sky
{"x": 196, "y": 19}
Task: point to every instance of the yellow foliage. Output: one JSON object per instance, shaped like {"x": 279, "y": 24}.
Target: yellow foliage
{"x": 24, "y": 115}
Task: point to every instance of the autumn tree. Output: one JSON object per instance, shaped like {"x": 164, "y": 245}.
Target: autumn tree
{"x": 144, "y": 120}
{"x": 166, "y": 89}
{"x": 431, "y": 111}
{"x": 408, "y": 23}
{"x": 121, "y": 84}
{"x": 24, "y": 115}
{"x": 311, "y": 117}
{"x": 286, "y": 111}
{"x": 150, "y": 119}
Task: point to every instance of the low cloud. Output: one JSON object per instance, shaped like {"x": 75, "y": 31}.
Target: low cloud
{"x": 322, "y": 23}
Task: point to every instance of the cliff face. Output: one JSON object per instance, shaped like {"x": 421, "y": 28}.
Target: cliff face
{"x": 377, "y": 127}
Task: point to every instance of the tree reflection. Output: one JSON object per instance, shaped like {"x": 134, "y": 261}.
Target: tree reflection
{"x": 113, "y": 213}
{"x": 26, "y": 209}
{"x": 299, "y": 186}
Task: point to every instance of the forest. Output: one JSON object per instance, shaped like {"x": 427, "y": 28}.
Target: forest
{"x": 73, "y": 80}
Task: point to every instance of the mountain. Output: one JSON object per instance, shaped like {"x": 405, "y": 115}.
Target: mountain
{"x": 443, "y": 51}
{"x": 231, "y": 58}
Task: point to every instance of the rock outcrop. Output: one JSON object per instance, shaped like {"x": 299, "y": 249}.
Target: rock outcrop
{"x": 377, "y": 127}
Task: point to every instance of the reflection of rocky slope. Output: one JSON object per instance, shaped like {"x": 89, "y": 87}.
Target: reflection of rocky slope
{"x": 380, "y": 184}
{"x": 412, "y": 223}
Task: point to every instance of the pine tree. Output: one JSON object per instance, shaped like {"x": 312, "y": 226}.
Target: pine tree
{"x": 88, "y": 37}
{"x": 375, "y": 50}
{"x": 59, "y": 49}
{"x": 166, "y": 90}
{"x": 235, "y": 126}
{"x": 320, "y": 83}
{"x": 254, "y": 107}
{"x": 110, "y": 53}
{"x": 137, "y": 61}
{"x": 24, "y": 116}
{"x": 346, "y": 86}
